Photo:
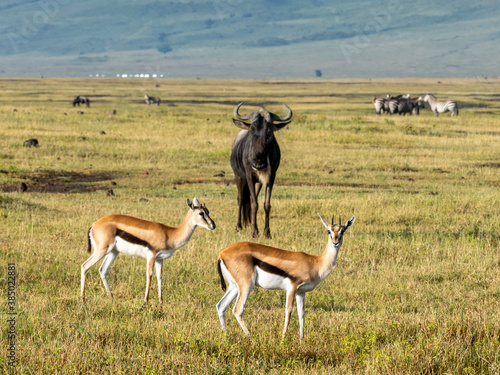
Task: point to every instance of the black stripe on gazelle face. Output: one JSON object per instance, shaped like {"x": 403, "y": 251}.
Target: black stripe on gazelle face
{"x": 335, "y": 233}
{"x": 201, "y": 211}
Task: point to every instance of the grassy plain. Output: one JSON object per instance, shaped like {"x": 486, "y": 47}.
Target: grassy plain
{"x": 417, "y": 284}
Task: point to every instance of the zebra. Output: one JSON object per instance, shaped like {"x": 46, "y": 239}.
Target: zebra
{"x": 392, "y": 104}
{"x": 151, "y": 100}
{"x": 441, "y": 107}
{"x": 379, "y": 104}
{"x": 409, "y": 105}
{"x": 417, "y": 104}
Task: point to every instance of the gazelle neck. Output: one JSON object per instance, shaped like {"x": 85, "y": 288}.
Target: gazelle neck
{"x": 182, "y": 234}
{"x": 329, "y": 258}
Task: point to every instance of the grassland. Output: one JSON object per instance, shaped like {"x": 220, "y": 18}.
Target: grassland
{"x": 417, "y": 284}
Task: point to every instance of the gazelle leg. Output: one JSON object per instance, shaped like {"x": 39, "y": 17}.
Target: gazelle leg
{"x": 289, "y": 308}
{"x": 96, "y": 256}
{"x": 299, "y": 297}
{"x": 159, "y": 272}
{"x": 149, "y": 273}
{"x": 103, "y": 270}
{"x": 223, "y": 304}
{"x": 243, "y": 292}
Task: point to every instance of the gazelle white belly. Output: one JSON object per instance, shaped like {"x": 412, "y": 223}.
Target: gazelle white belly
{"x": 269, "y": 280}
{"x": 128, "y": 248}
{"x": 136, "y": 250}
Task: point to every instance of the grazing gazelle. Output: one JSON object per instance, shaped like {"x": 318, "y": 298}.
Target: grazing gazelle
{"x": 129, "y": 235}
{"x": 246, "y": 264}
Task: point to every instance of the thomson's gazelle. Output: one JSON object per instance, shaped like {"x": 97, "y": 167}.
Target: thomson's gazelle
{"x": 129, "y": 235}
{"x": 245, "y": 264}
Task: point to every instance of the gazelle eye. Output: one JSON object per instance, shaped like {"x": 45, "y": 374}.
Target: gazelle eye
{"x": 201, "y": 213}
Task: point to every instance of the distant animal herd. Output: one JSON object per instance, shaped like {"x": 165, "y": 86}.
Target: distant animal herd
{"x": 403, "y": 104}
{"x": 255, "y": 159}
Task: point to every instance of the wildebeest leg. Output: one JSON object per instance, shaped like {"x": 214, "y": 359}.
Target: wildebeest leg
{"x": 240, "y": 184}
{"x": 267, "y": 207}
{"x": 254, "y": 204}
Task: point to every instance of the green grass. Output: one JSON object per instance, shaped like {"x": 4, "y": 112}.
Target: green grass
{"x": 416, "y": 287}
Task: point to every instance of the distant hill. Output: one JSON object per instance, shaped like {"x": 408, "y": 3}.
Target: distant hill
{"x": 250, "y": 39}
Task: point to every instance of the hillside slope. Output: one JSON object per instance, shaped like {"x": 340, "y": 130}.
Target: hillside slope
{"x": 258, "y": 39}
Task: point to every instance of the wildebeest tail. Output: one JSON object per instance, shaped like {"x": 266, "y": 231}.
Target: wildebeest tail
{"x": 89, "y": 248}
{"x": 222, "y": 281}
{"x": 246, "y": 208}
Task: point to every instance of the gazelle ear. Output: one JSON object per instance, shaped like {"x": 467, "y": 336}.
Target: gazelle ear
{"x": 189, "y": 203}
{"x": 196, "y": 203}
{"x": 325, "y": 223}
{"x": 349, "y": 222}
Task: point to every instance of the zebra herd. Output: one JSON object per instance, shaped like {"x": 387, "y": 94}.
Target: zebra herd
{"x": 403, "y": 104}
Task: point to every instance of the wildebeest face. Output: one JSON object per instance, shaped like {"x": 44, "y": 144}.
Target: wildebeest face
{"x": 262, "y": 128}
{"x": 262, "y": 136}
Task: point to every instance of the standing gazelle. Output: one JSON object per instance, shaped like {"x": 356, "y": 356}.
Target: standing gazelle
{"x": 129, "y": 235}
{"x": 246, "y": 264}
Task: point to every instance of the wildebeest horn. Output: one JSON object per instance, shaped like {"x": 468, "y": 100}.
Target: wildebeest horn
{"x": 238, "y": 116}
{"x": 284, "y": 118}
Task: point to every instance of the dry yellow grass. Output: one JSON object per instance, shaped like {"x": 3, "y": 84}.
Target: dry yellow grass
{"x": 416, "y": 288}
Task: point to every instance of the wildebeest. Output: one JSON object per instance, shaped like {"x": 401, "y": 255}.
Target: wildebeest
{"x": 151, "y": 100}
{"x": 81, "y": 100}
{"x": 33, "y": 142}
{"x": 255, "y": 158}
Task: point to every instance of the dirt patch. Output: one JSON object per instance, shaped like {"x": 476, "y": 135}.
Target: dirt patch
{"x": 232, "y": 182}
{"x": 205, "y": 181}
{"x": 489, "y": 165}
{"x": 61, "y": 182}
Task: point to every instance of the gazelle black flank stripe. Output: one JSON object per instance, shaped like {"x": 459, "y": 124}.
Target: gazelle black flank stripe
{"x": 133, "y": 239}
{"x": 264, "y": 266}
